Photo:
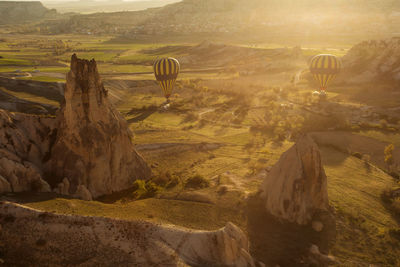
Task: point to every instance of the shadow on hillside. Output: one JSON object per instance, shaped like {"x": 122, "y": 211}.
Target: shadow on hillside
{"x": 142, "y": 116}
{"x": 332, "y": 156}
{"x": 278, "y": 243}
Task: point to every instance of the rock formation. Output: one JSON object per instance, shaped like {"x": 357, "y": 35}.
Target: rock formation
{"x": 93, "y": 147}
{"x": 86, "y": 151}
{"x": 296, "y": 187}
{"x": 373, "y": 61}
{"x": 59, "y": 240}
{"x": 24, "y": 142}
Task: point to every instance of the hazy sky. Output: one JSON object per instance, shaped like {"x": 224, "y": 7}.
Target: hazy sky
{"x": 78, "y": 0}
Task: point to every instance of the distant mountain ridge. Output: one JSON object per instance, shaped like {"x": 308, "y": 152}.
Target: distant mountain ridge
{"x": 12, "y": 12}
{"x": 105, "y": 6}
{"x": 354, "y": 20}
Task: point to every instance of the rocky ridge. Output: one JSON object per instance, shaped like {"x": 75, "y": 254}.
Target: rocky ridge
{"x": 24, "y": 143}
{"x": 373, "y": 61}
{"x": 57, "y": 240}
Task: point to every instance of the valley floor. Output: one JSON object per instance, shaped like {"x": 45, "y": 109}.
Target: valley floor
{"x": 229, "y": 129}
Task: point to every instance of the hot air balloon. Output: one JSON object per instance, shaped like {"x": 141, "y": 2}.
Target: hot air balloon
{"x": 166, "y": 71}
{"x": 324, "y": 68}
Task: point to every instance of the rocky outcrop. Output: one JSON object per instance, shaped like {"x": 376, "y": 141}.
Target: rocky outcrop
{"x": 24, "y": 142}
{"x": 59, "y": 240}
{"x": 373, "y": 61}
{"x": 85, "y": 152}
{"x": 93, "y": 148}
{"x": 296, "y": 187}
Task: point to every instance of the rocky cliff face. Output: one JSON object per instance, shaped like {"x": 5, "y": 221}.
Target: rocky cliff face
{"x": 93, "y": 150}
{"x": 59, "y": 240}
{"x": 24, "y": 143}
{"x": 296, "y": 187}
{"x": 373, "y": 61}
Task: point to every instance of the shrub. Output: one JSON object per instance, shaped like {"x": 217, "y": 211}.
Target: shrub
{"x": 190, "y": 117}
{"x": 387, "y": 196}
{"x": 396, "y": 205}
{"x": 366, "y": 158}
{"x": 222, "y": 190}
{"x": 162, "y": 179}
{"x": 197, "y": 182}
{"x": 395, "y": 175}
{"x": 143, "y": 189}
{"x": 166, "y": 180}
{"x": 174, "y": 181}
{"x": 395, "y": 233}
{"x": 389, "y": 154}
{"x": 383, "y": 124}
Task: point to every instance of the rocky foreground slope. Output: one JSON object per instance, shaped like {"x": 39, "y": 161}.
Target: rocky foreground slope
{"x": 86, "y": 151}
{"x": 59, "y": 240}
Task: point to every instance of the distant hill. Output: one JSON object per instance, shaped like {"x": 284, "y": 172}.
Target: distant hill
{"x": 374, "y": 61}
{"x": 324, "y": 20}
{"x": 105, "y": 6}
{"x": 15, "y": 12}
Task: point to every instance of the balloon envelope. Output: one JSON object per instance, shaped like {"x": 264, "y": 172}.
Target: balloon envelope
{"x": 324, "y": 68}
{"x": 166, "y": 71}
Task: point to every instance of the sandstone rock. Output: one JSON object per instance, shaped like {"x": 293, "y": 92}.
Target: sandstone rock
{"x": 63, "y": 187}
{"x": 22, "y": 176}
{"x": 83, "y": 193}
{"x": 319, "y": 259}
{"x": 317, "y": 226}
{"x": 24, "y": 141}
{"x": 53, "y": 239}
{"x": 93, "y": 146}
{"x": 5, "y": 186}
{"x": 296, "y": 186}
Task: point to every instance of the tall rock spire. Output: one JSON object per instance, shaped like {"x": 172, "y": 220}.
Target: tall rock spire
{"x": 93, "y": 149}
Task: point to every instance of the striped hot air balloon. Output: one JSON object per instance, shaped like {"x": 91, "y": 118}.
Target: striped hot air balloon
{"x": 324, "y": 68}
{"x": 166, "y": 71}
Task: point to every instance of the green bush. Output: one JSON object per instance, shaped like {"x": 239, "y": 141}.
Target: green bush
{"x": 143, "y": 189}
{"x": 197, "y": 182}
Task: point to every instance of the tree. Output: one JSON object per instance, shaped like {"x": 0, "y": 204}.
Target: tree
{"x": 389, "y": 155}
